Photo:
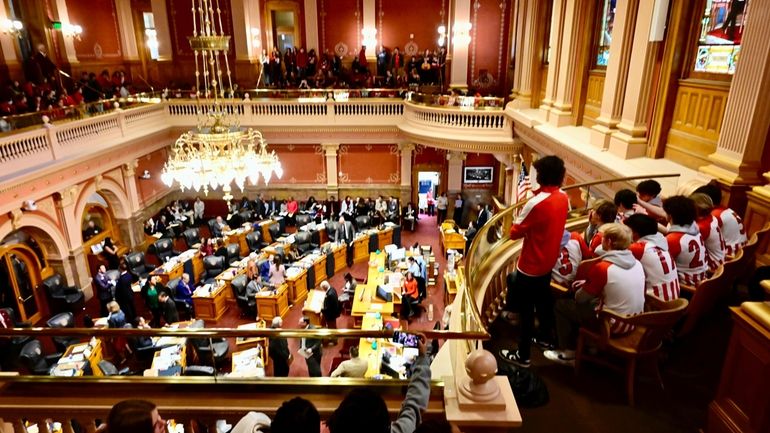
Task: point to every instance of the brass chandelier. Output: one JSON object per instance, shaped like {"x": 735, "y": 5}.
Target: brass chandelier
{"x": 218, "y": 152}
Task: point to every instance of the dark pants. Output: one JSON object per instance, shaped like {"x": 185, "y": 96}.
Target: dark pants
{"x": 570, "y": 316}
{"x": 732, "y": 19}
{"x": 441, "y": 216}
{"x": 528, "y": 296}
{"x": 329, "y": 323}
{"x": 314, "y": 365}
{"x": 421, "y": 288}
{"x": 156, "y": 315}
{"x": 103, "y": 312}
{"x": 458, "y": 216}
{"x": 280, "y": 368}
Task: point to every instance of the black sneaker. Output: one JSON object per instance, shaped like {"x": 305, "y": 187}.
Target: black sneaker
{"x": 513, "y": 357}
{"x": 543, "y": 344}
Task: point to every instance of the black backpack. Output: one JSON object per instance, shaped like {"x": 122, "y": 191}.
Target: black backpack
{"x": 529, "y": 389}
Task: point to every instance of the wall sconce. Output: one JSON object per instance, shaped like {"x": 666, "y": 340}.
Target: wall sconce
{"x": 441, "y": 36}
{"x": 256, "y": 40}
{"x": 12, "y": 27}
{"x": 370, "y": 36}
{"x": 461, "y": 33}
{"x": 72, "y": 31}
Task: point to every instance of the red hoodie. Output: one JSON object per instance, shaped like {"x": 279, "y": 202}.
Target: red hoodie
{"x": 541, "y": 224}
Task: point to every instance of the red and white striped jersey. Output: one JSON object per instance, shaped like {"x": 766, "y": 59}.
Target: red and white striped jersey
{"x": 660, "y": 276}
{"x": 712, "y": 239}
{"x": 686, "y": 248}
{"x": 570, "y": 257}
{"x": 618, "y": 280}
{"x": 733, "y": 231}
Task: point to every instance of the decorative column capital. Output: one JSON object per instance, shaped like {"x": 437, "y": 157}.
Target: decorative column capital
{"x": 454, "y": 156}
{"x": 129, "y": 168}
{"x": 405, "y": 147}
{"x": 330, "y": 148}
{"x": 67, "y": 197}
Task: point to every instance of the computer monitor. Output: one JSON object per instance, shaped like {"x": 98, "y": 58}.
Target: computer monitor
{"x": 384, "y": 294}
{"x": 399, "y": 254}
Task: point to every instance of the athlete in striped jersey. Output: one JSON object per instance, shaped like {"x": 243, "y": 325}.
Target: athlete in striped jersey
{"x": 615, "y": 283}
{"x": 733, "y": 231}
{"x": 709, "y": 231}
{"x": 573, "y": 251}
{"x": 684, "y": 240}
{"x": 651, "y": 249}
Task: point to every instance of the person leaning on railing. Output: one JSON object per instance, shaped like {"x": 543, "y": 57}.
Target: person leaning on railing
{"x": 541, "y": 225}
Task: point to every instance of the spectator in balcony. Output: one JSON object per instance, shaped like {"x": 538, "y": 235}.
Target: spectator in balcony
{"x": 276, "y": 73}
{"x": 296, "y": 416}
{"x": 383, "y": 60}
{"x": 365, "y": 410}
{"x": 91, "y": 230}
{"x": 397, "y": 62}
{"x": 42, "y": 67}
{"x": 135, "y": 416}
{"x": 302, "y": 60}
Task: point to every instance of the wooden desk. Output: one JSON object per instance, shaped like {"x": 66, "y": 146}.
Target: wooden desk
{"x": 169, "y": 357}
{"x": 77, "y": 356}
{"x": 212, "y": 307}
{"x": 272, "y": 304}
{"x": 265, "y": 226}
{"x": 168, "y": 273}
{"x": 365, "y": 299}
{"x": 453, "y": 284}
{"x": 365, "y": 350}
{"x": 248, "y": 363}
{"x": 340, "y": 257}
{"x": 313, "y": 306}
{"x": 361, "y": 249}
{"x": 452, "y": 239}
{"x": 319, "y": 267}
{"x": 384, "y": 237}
{"x": 238, "y": 236}
{"x": 226, "y": 278}
{"x": 297, "y": 286}
{"x": 251, "y": 342}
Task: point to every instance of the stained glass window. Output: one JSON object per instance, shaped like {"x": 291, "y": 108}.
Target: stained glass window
{"x": 721, "y": 30}
{"x": 606, "y": 21}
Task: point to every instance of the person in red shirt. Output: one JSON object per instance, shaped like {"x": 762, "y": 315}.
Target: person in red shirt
{"x": 292, "y": 207}
{"x": 541, "y": 225}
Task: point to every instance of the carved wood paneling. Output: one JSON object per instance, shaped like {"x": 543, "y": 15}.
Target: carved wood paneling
{"x": 594, "y": 95}
{"x": 696, "y": 121}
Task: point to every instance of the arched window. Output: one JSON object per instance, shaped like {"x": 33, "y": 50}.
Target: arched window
{"x": 721, "y": 31}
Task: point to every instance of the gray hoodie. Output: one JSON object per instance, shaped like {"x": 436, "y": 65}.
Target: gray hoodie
{"x": 692, "y": 229}
{"x": 623, "y": 258}
{"x": 656, "y": 239}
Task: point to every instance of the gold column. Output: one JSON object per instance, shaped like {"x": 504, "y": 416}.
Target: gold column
{"x": 527, "y": 41}
{"x": 746, "y": 122}
{"x": 617, "y": 73}
{"x": 630, "y": 139}
{"x": 566, "y": 29}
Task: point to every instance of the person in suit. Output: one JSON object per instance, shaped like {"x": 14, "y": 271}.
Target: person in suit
{"x": 331, "y": 307}
{"x": 103, "y": 289}
{"x": 483, "y": 215}
{"x": 91, "y": 230}
{"x": 278, "y": 351}
{"x": 273, "y": 207}
{"x": 332, "y": 210}
{"x": 392, "y": 209}
{"x": 124, "y": 295}
{"x": 347, "y": 209}
{"x": 312, "y": 348}
{"x": 168, "y": 308}
{"x": 259, "y": 207}
{"x": 160, "y": 225}
{"x": 218, "y": 228}
{"x": 115, "y": 318}
{"x": 344, "y": 232}
{"x": 184, "y": 289}
{"x": 353, "y": 367}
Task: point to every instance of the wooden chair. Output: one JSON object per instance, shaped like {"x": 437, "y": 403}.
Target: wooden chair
{"x": 643, "y": 343}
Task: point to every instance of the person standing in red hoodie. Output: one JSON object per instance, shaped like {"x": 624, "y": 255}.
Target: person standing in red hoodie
{"x": 541, "y": 225}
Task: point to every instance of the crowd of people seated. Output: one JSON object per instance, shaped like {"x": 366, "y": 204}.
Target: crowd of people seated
{"x": 637, "y": 245}
{"x": 362, "y": 409}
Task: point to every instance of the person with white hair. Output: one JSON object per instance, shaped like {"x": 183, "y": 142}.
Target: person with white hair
{"x": 279, "y": 351}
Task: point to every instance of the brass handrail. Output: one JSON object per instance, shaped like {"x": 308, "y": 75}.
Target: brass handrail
{"x": 472, "y": 267}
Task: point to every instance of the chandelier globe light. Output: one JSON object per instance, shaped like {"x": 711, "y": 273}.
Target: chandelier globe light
{"x": 218, "y": 152}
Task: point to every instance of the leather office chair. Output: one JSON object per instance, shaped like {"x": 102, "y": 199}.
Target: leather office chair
{"x": 303, "y": 219}
{"x": 164, "y": 249}
{"x": 247, "y": 304}
{"x": 363, "y": 222}
{"x": 275, "y": 232}
{"x": 212, "y": 266}
{"x": 198, "y": 370}
{"x": 303, "y": 243}
{"x": 331, "y": 229}
{"x": 191, "y": 237}
{"x": 137, "y": 265}
{"x": 246, "y": 215}
{"x": 63, "y": 320}
{"x": 32, "y": 357}
{"x": 233, "y": 253}
{"x": 181, "y": 305}
{"x": 214, "y": 232}
{"x": 213, "y": 351}
{"x": 69, "y": 297}
{"x": 254, "y": 241}
{"x": 108, "y": 369}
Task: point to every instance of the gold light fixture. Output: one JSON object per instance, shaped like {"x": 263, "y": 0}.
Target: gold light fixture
{"x": 218, "y": 152}
{"x": 12, "y": 27}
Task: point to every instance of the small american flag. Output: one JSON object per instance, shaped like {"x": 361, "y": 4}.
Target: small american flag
{"x": 523, "y": 186}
